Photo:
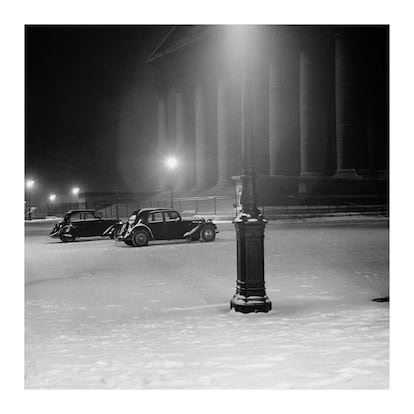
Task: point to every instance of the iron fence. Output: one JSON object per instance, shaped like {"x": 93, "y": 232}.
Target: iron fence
{"x": 219, "y": 206}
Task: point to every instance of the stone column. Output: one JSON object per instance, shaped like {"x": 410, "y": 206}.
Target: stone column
{"x": 274, "y": 116}
{"x": 316, "y": 82}
{"x": 162, "y": 141}
{"x": 305, "y": 106}
{"x": 370, "y": 140}
{"x": 344, "y": 88}
{"x": 180, "y": 136}
{"x": 223, "y": 134}
{"x": 200, "y": 138}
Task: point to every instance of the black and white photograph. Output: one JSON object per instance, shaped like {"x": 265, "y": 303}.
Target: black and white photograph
{"x": 206, "y": 207}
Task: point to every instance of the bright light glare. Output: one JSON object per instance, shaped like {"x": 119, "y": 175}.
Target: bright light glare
{"x": 30, "y": 183}
{"x": 75, "y": 190}
{"x": 171, "y": 162}
{"x": 52, "y": 197}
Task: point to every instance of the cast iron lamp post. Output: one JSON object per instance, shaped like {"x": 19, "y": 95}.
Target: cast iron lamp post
{"x": 171, "y": 165}
{"x": 250, "y": 224}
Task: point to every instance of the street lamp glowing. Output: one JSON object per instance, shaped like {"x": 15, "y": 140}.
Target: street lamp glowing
{"x": 75, "y": 190}
{"x": 30, "y": 183}
{"x": 171, "y": 163}
{"x": 52, "y": 197}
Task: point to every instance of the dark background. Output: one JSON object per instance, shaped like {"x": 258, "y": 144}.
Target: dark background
{"x": 90, "y": 106}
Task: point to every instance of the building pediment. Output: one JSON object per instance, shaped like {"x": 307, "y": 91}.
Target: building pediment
{"x": 179, "y": 37}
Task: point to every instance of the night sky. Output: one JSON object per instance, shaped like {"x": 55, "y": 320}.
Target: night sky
{"x": 90, "y": 106}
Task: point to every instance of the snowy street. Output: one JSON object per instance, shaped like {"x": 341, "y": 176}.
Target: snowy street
{"x": 102, "y": 315}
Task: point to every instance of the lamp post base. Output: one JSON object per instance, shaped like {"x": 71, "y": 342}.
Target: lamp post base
{"x": 248, "y": 304}
{"x": 250, "y": 293}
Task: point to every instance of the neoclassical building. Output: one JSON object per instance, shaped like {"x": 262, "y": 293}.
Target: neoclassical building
{"x": 320, "y": 106}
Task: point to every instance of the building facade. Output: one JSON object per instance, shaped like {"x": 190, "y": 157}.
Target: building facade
{"x": 320, "y": 106}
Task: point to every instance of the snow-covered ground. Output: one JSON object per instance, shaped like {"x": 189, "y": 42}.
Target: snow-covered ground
{"x": 102, "y": 315}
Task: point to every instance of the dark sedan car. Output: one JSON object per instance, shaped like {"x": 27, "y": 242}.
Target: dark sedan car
{"x": 84, "y": 223}
{"x": 164, "y": 224}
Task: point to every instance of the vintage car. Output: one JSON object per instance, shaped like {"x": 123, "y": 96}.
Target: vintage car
{"x": 164, "y": 224}
{"x": 84, "y": 223}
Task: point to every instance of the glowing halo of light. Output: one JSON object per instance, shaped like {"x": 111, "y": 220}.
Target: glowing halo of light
{"x": 171, "y": 162}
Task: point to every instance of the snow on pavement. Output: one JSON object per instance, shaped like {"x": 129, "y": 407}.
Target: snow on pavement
{"x": 102, "y": 315}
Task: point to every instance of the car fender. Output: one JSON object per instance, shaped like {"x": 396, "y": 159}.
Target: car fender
{"x": 65, "y": 229}
{"x": 141, "y": 226}
{"x": 199, "y": 227}
{"x": 193, "y": 231}
{"x": 112, "y": 228}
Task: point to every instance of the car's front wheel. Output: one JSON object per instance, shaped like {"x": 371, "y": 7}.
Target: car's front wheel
{"x": 208, "y": 233}
{"x": 140, "y": 238}
{"x": 67, "y": 237}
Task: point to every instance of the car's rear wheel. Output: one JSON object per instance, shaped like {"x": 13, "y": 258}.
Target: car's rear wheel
{"x": 67, "y": 237}
{"x": 208, "y": 233}
{"x": 140, "y": 238}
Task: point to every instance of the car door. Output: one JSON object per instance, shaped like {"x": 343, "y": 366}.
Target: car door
{"x": 155, "y": 222}
{"x": 92, "y": 224}
{"x": 102, "y": 224}
{"x": 173, "y": 225}
{"x": 77, "y": 220}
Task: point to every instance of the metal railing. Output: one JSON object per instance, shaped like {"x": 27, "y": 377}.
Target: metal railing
{"x": 312, "y": 206}
{"x": 107, "y": 208}
{"x": 195, "y": 205}
{"x": 221, "y": 206}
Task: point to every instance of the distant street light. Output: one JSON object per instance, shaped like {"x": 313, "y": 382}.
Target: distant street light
{"x": 75, "y": 192}
{"x": 52, "y": 198}
{"x": 29, "y": 185}
{"x": 250, "y": 293}
{"x": 172, "y": 164}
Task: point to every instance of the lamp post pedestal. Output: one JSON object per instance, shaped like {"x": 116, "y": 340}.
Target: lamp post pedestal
{"x": 250, "y": 293}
